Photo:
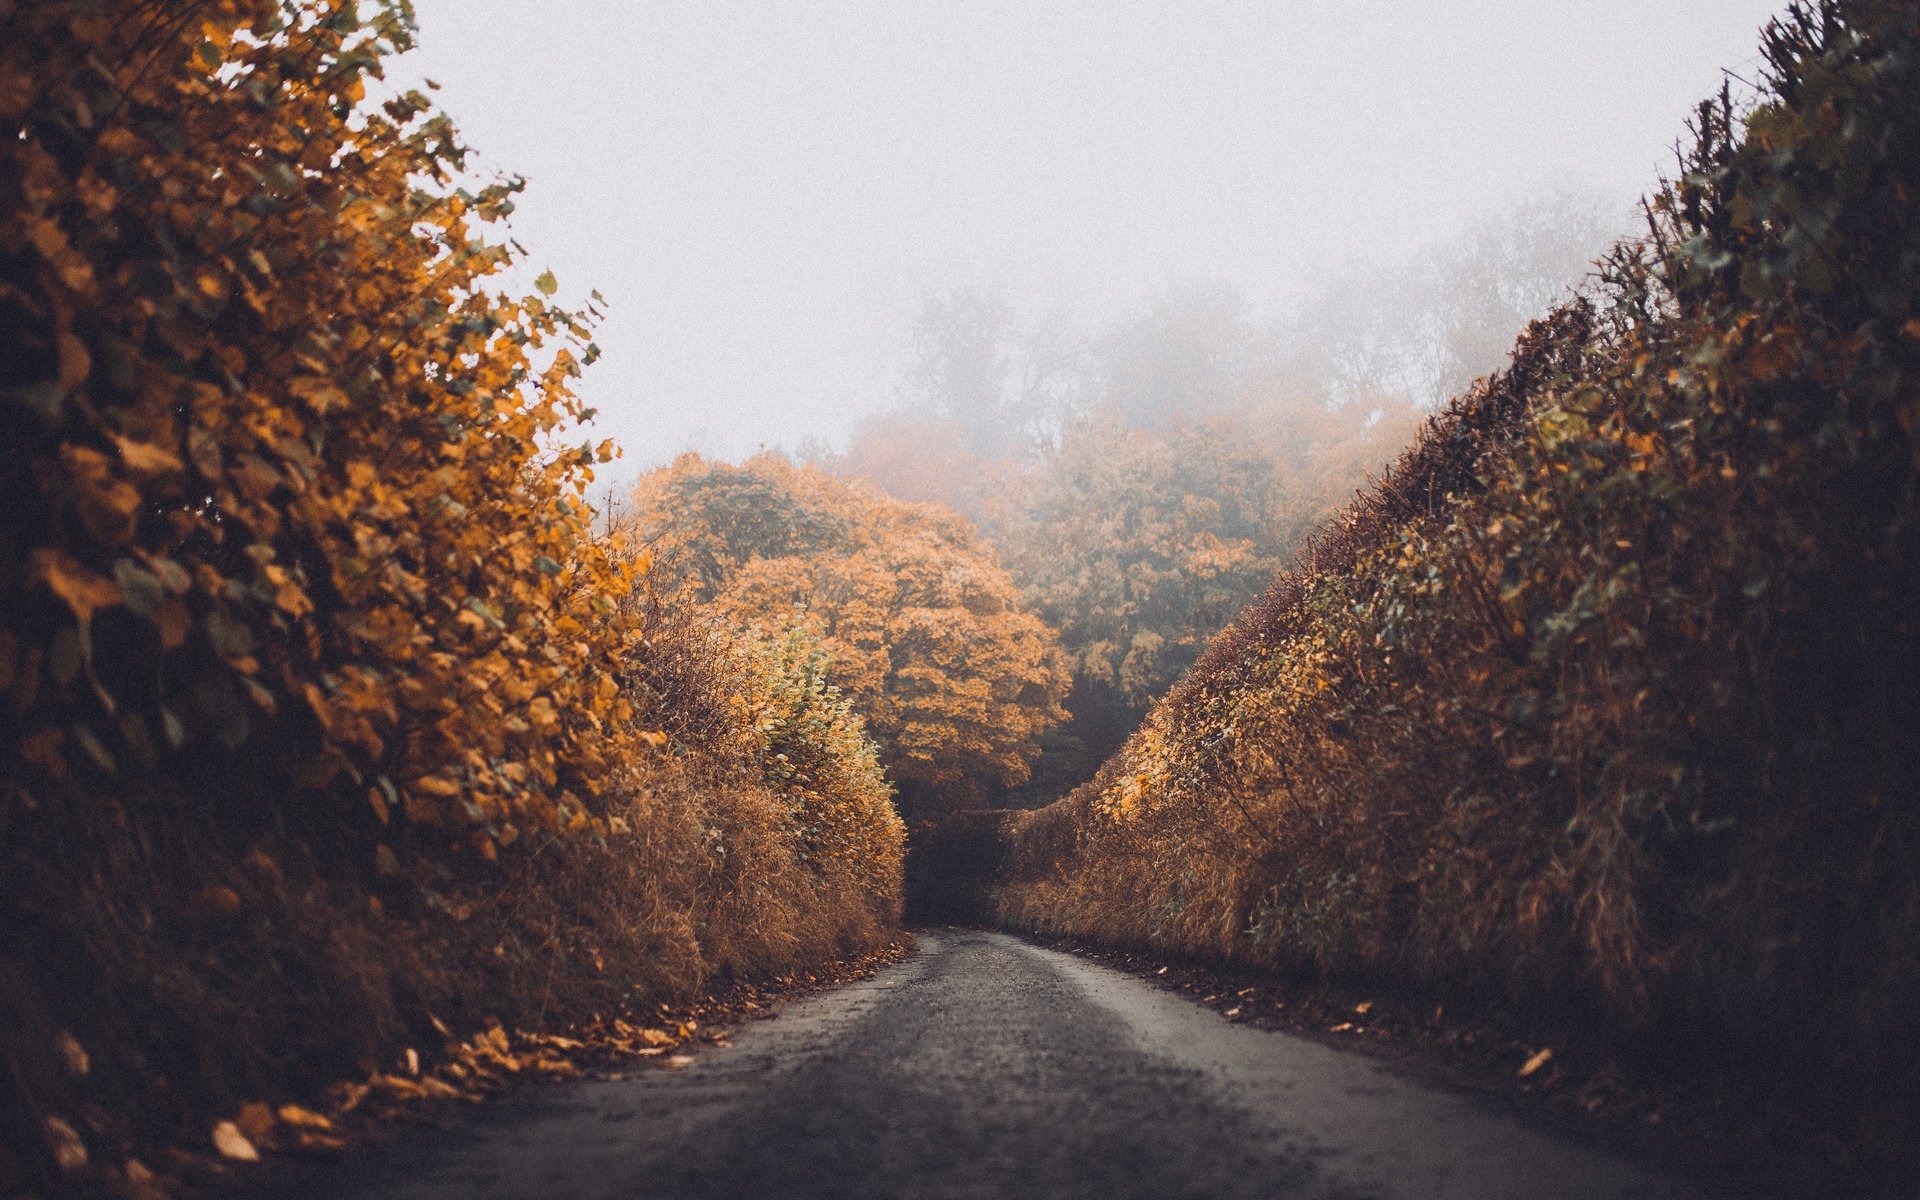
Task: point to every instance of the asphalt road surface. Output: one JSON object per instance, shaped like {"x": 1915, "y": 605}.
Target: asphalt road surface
{"x": 980, "y": 1067}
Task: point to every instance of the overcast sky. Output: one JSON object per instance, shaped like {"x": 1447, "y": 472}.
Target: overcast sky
{"x": 759, "y": 189}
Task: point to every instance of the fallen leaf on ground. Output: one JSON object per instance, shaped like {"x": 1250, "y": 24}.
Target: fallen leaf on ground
{"x": 75, "y": 1054}
{"x": 69, "y": 1152}
{"x": 1342, "y": 1027}
{"x": 677, "y": 1061}
{"x": 231, "y": 1143}
{"x": 1364, "y": 1007}
{"x": 302, "y": 1118}
{"x": 255, "y": 1120}
{"x": 1535, "y": 1063}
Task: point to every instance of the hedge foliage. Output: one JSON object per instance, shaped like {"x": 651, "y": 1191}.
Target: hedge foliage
{"x": 922, "y": 629}
{"x": 1604, "y": 698}
{"x": 325, "y": 719}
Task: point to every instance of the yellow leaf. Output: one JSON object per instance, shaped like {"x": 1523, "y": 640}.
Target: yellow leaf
{"x": 1535, "y": 1063}
{"x": 69, "y": 1152}
{"x": 302, "y": 1118}
{"x": 81, "y": 589}
{"x": 75, "y": 1055}
{"x": 231, "y": 1143}
{"x": 147, "y": 458}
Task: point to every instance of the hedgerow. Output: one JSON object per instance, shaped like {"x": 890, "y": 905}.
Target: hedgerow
{"x": 1602, "y": 700}
{"x": 324, "y": 716}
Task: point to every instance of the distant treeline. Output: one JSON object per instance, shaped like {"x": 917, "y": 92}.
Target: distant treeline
{"x": 1144, "y": 478}
{"x": 1603, "y": 701}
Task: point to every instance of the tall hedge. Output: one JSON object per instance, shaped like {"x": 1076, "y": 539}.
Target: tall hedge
{"x": 1603, "y": 701}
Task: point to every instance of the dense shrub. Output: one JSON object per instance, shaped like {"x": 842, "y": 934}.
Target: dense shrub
{"x": 321, "y": 709}
{"x": 1604, "y": 698}
{"x": 922, "y": 628}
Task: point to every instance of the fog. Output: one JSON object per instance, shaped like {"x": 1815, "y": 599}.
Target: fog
{"x": 766, "y": 194}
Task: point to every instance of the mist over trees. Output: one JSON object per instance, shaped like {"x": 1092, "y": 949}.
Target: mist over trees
{"x": 918, "y": 626}
{"x": 1145, "y": 477}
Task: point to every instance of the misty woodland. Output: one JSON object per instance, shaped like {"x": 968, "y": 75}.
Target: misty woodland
{"x": 1552, "y": 655}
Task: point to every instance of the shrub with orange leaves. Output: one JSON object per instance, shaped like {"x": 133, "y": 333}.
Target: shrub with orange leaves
{"x": 923, "y": 629}
{"x": 322, "y": 717}
{"x": 289, "y": 457}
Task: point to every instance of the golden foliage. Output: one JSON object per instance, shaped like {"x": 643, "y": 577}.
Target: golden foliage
{"x": 922, "y": 629}
{"x": 1604, "y": 696}
{"x": 287, "y": 449}
{"x": 321, "y": 708}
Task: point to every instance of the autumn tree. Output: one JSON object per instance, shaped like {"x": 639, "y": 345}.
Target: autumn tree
{"x": 923, "y": 630}
{"x": 1137, "y": 548}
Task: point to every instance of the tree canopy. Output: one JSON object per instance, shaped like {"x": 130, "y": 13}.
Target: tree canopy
{"x": 923, "y": 629}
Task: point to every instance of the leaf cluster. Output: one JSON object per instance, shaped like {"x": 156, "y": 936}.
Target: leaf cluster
{"x": 282, "y": 463}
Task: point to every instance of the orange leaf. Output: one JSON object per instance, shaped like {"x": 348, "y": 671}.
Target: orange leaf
{"x": 81, "y": 589}
{"x": 145, "y": 457}
{"x": 231, "y": 1143}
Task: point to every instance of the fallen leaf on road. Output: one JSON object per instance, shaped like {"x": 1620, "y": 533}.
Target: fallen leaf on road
{"x": 1364, "y": 1007}
{"x": 1535, "y": 1063}
{"x": 677, "y": 1061}
{"x": 1231, "y": 1013}
{"x": 1342, "y": 1027}
{"x": 231, "y": 1143}
{"x": 75, "y": 1055}
{"x": 69, "y": 1152}
{"x": 302, "y": 1118}
{"x": 255, "y": 1120}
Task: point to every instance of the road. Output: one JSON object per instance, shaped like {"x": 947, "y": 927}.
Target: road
{"x": 983, "y": 1066}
